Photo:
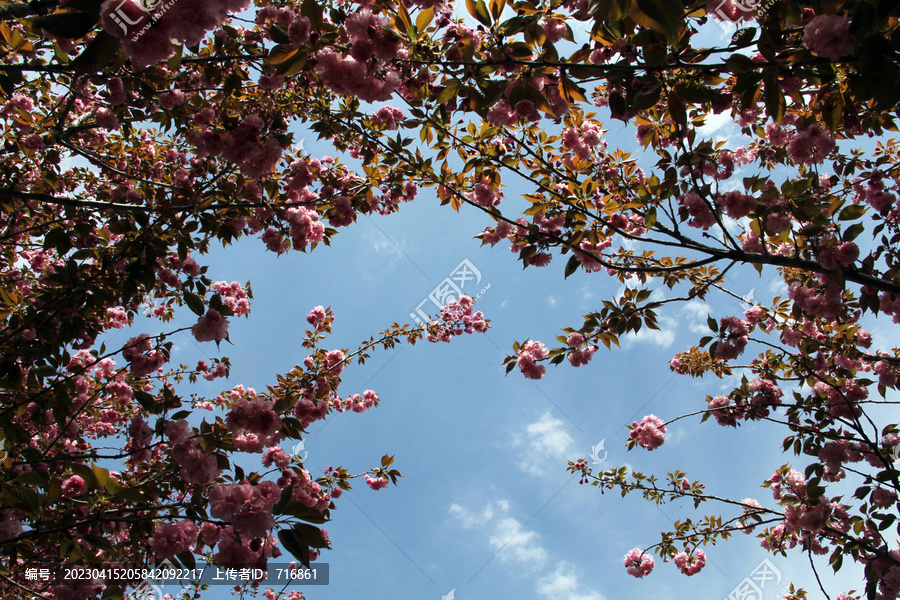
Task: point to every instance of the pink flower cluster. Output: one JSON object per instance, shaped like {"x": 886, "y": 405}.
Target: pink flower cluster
{"x": 806, "y": 518}
{"x": 736, "y": 204}
{"x": 829, "y": 36}
{"x": 843, "y": 254}
{"x": 233, "y": 549}
{"x": 650, "y": 433}
{"x": 582, "y": 142}
{"x": 318, "y": 318}
{"x": 554, "y": 29}
{"x": 638, "y": 564}
{"x": 248, "y": 508}
{"x": 143, "y": 360}
{"x": 733, "y": 336}
{"x": 275, "y": 455}
{"x": 764, "y": 394}
{"x": 254, "y": 424}
{"x": 306, "y": 228}
{"x": 211, "y": 374}
{"x": 73, "y": 486}
{"x": 234, "y": 296}
{"x": 309, "y": 492}
{"x": 690, "y": 565}
{"x": 387, "y": 117}
{"x": 529, "y": 354}
{"x": 791, "y": 483}
{"x": 493, "y": 235}
{"x": 456, "y": 318}
{"x": 811, "y": 146}
{"x": 245, "y": 146}
{"x": 197, "y": 467}
{"x": 139, "y": 436}
{"x": 701, "y": 215}
{"x": 358, "y": 403}
{"x": 169, "y": 539}
{"x": 484, "y": 194}
{"x": 826, "y": 303}
{"x": 211, "y": 327}
{"x": 347, "y": 75}
{"x": 185, "y": 21}
{"x": 377, "y": 483}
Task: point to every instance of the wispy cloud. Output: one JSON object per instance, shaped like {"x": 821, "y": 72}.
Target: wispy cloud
{"x": 546, "y": 443}
{"x": 563, "y": 584}
{"x": 517, "y": 546}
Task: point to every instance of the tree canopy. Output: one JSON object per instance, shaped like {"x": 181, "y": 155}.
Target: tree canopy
{"x": 139, "y": 135}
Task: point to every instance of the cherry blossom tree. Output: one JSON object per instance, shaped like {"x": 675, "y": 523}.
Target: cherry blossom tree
{"x": 137, "y": 135}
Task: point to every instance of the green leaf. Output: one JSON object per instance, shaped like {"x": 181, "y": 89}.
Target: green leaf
{"x": 69, "y": 25}
{"x": 479, "y": 10}
{"x": 852, "y": 212}
{"x": 423, "y": 19}
{"x": 572, "y": 265}
{"x": 743, "y": 37}
{"x": 194, "y": 303}
{"x": 496, "y": 7}
{"x": 102, "y": 49}
{"x": 101, "y": 474}
{"x": 294, "y": 544}
{"x": 662, "y": 16}
{"x": 311, "y": 535}
{"x": 852, "y": 232}
{"x": 280, "y": 54}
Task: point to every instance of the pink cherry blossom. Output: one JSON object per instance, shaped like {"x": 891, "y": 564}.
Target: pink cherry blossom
{"x": 212, "y": 327}
{"x": 377, "y": 483}
{"x": 829, "y": 36}
{"x": 638, "y": 564}
{"x": 650, "y": 433}
{"x": 73, "y": 486}
{"x": 169, "y": 539}
{"x": 316, "y": 317}
{"x": 690, "y": 565}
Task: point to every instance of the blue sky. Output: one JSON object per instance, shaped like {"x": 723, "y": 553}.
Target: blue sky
{"x": 486, "y": 507}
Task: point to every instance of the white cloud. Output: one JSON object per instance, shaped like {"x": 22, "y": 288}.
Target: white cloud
{"x": 470, "y": 519}
{"x": 697, "y": 312}
{"x": 516, "y": 544}
{"x": 562, "y": 584}
{"x": 697, "y": 309}
{"x": 676, "y": 435}
{"x": 721, "y": 122}
{"x": 777, "y": 286}
{"x": 546, "y": 442}
{"x": 552, "y": 301}
{"x": 662, "y": 337}
{"x": 586, "y": 293}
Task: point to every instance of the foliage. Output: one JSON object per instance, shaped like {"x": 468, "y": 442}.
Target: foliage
{"x": 134, "y": 141}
